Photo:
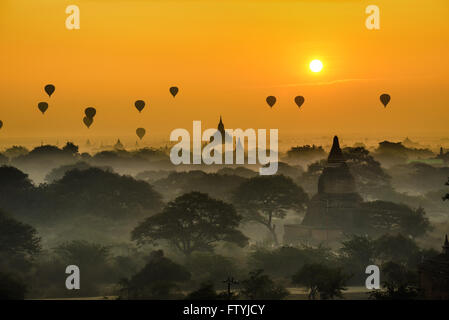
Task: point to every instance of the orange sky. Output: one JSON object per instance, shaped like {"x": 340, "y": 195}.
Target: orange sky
{"x": 226, "y": 57}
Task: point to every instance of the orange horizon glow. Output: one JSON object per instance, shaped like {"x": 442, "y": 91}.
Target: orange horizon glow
{"x": 226, "y": 57}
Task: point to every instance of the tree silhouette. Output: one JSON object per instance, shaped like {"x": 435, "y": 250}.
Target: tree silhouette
{"x": 327, "y": 282}
{"x": 264, "y": 198}
{"x": 400, "y": 283}
{"x": 192, "y": 222}
{"x": 260, "y": 286}
{"x": 379, "y": 217}
{"x": 71, "y": 148}
{"x": 99, "y": 193}
{"x": 11, "y": 287}
{"x": 206, "y": 291}
{"x": 17, "y": 237}
{"x": 19, "y": 244}
{"x": 157, "y": 280}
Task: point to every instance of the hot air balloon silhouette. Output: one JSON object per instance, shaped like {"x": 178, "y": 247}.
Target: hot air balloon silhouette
{"x": 174, "y": 91}
{"x": 88, "y": 121}
{"x": 385, "y": 98}
{"x": 49, "y": 89}
{"x": 90, "y": 112}
{"x": 140, "y": 132}
{"x": 271, "y": 100}
{"x": 1, "y": 124}
{"x": 43, "y": 106}
{"x": 139, "y": 104}
{"x": 299, "y": 100}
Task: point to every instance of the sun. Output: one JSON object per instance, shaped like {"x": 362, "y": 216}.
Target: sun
{"x": 316, "y": 65}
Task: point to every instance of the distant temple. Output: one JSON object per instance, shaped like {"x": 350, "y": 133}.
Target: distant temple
{"x": 222, "y": 131}
{"x": 333, "y": 209}
{"x": 434, "y": 275}
{"x": 118, "y": 145}
{"x": 225, "y": 138}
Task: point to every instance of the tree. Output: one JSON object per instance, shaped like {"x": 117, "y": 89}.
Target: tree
{"x": 3, "y": 159}
{"x": 327, "y": 282}
{"x": 71, "y": 148}
{"x": 11, "y": 287}
{"x": 357, "y": 252}
{"x": 305, "y": 153}
{"x": 59, "y": 172}
{"x": 157, "y": 280}
{"x": 265, "y": 198}
{"x": 206, "y": 291}
{"x": 17, "y": 237}
{"x": 285, "y": 261}
{"x": 15, "y": 151}
{"x": 400, "y": 283}
{"x": 379, "y": 217}
{"x": 192, "y": 222}
{"x": 206, "y": 266}
{"x": 16, "y": 191}
{"x": 83, "y": 253}
{"x": 260, "y": 286}
{"x": 94, "y": 262}
{"x": 370, "y": 177}
{"x": 19, "y": 243}
{"x": 218, "y": 186}
{"x": 397, "y": 248}
{"x": 99, "y": 193}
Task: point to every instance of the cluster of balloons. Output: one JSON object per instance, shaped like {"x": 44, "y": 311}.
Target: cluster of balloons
{"x": 90, "y": 113}
{"x": 299, "y": 100}
{"x": 43, "y": 106}
{"x": 140, "y": 105}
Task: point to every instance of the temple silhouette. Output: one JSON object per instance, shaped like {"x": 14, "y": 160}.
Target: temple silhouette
{"x": 333, "y": 209}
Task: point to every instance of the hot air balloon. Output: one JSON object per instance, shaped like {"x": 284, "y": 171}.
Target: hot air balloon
{"x": 1, "y": 124}
{"x": 271, "y": 100}
{"x": 299, "y": 100}
{"x": 140, "y": 132}
{"x": 43, "y": 106}
{"x": 174, "y": 91}
{"x": 385, "y": 98}
{"x": 90, "y": 112}
{"x": 49, "y": 89}
{"x": 88, "y": 121}
{"x": 139, "y": 105}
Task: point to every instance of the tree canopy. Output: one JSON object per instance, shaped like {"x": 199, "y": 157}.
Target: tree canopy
{"x": 326, "y": 281}
{"x": 265, "y": 198}
{"x": 192, "y": 222}
{"x": 259, "y": 286}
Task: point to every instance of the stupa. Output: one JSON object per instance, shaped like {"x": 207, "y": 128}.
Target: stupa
{"x": 332, "y": 211}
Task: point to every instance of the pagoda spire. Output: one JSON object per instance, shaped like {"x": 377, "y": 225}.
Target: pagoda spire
{"x": 336, "y": 155}
{"x": 446, "y": 246}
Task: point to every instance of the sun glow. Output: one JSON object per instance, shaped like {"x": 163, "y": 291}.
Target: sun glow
{"x": 316, "y": 65}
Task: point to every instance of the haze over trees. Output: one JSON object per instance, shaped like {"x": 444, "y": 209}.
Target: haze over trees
{"x": 192, "y": 222}
{"x": 115, "y": 210}
{"x": 266, "y": 198}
